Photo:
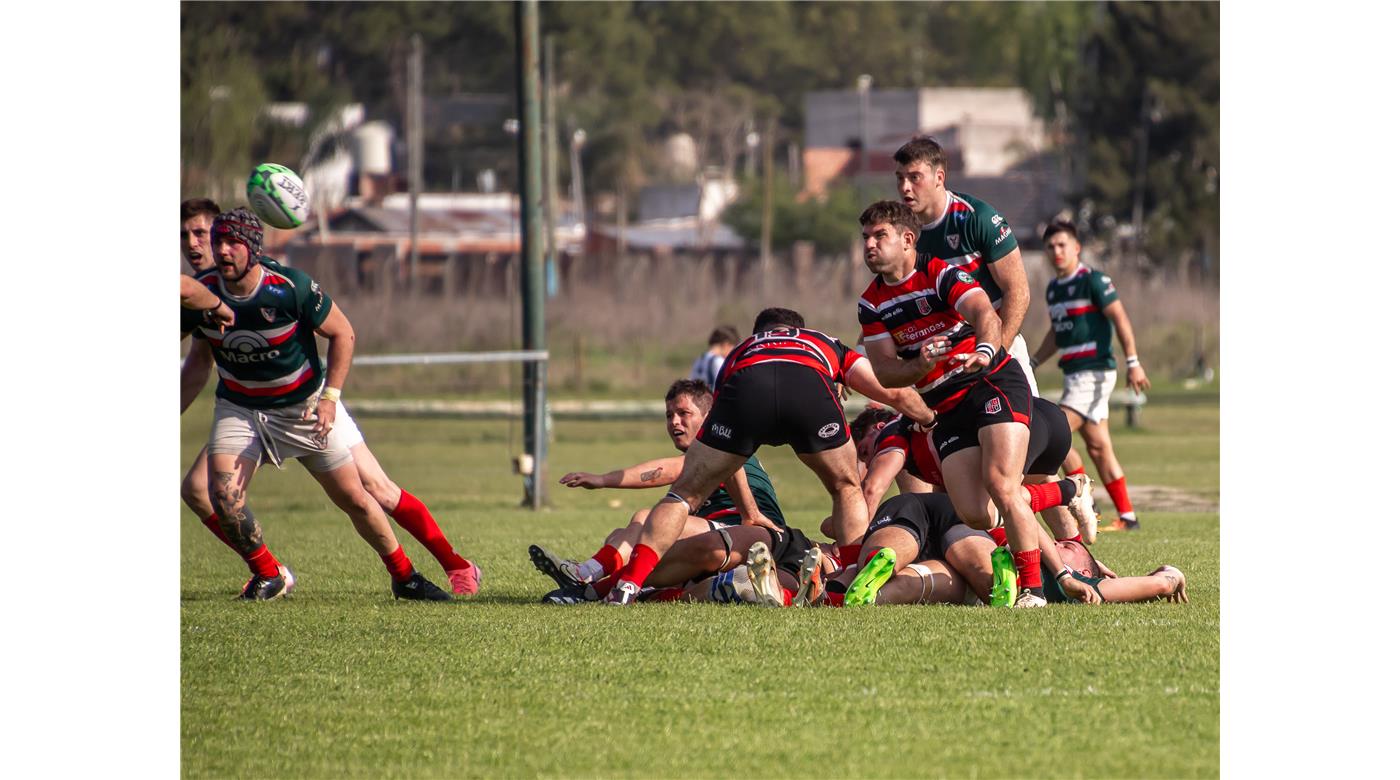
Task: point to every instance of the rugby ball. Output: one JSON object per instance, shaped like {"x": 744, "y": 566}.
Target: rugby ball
{"x": 278, "y": 196}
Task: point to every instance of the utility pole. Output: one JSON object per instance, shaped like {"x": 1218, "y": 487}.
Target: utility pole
{"x": 415, "y": 153}
{"x": 765, "y": 241}
{"x": 527, "y": 42}
{"x": 551, "y": 173}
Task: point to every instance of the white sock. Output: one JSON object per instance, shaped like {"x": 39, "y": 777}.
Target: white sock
{"x": 590, "y": 570}
{"x": 743, "y": 586}
{"x": 1128, "y": 517}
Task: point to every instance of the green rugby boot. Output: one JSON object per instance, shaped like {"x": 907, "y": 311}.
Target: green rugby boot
{"x": 867, "y": 584}
{"x": 1003, "y": 577}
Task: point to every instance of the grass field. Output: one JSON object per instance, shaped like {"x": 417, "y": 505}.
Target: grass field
{"x": 341, "y": 680}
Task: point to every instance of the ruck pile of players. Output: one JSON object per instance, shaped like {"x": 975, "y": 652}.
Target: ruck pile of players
{"x": 975, "y": 452}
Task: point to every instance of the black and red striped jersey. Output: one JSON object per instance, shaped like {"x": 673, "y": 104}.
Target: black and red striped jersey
{"x": 920, "y": 456}
{"x": 803, "y": 346}
{"x": 919, "y": 308}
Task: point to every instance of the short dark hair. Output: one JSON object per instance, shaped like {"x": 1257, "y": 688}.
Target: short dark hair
{"x": 891, "y": 212}
{"x": 776, "y": 317}
{"x": 196, "y": 206}
{"x": 922, "y": 148}
{"x": 868, "y": 419}
{"x": 724, "y": 334}
{"x": 1060, "y": 226}
{"x": 698, "y": 391}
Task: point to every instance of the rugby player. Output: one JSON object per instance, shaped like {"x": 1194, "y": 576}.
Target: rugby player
{"x": 706, "y": 367}
{"x": 274, "y": 399}
{"x": 410, "y": 513}
{"x": 776, "y": 387}
{"x": 746, "y": 498}
{"x": 969, "y": 234}
{"x": 1084, "y": 313}
{"x": 919, "y": 307}
{"x": 196, "y": 297}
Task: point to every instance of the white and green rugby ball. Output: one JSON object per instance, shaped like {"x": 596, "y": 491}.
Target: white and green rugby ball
{"x": 278, "y": 196}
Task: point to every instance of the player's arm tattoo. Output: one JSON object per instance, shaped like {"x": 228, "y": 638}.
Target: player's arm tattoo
{"x": 235, "y": 517}
{"x": 647, "y": 476}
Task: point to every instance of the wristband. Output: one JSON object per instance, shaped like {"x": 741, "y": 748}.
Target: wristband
{"x": 213, "y": 308}
{"x": 331, "y": 394}
{"x": 987, "y": 349}
{"x": 1065, "y": 572}
{"x": 1131, "y": 361}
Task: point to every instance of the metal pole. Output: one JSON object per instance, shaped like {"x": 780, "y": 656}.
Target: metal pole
{"x": 415, "y": 152}
{"x": 527, "y": 32}
{"x": 765, "y": 241}
{"x": 863, "y": 87}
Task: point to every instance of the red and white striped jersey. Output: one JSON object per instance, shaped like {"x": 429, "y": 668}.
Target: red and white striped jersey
{"x": 803, "y": 346}
{"x": 920, "y": 456}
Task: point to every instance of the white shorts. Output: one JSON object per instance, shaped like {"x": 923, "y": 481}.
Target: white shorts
{"x": 1018, "y": 351}
{"x": 279, "y": 434}
{"x": 1086, "y": 393}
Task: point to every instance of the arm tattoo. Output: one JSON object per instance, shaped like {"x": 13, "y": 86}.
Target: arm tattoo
{"x": 648, "y": 476}
{"x": 235, "y": 517}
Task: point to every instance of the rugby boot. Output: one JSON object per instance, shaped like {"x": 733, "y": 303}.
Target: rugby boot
{"x": 1082, "y": 509}
{"x": 763, "y": 575}
{"x": 1027, "y": 599}
{"x": 1003, "y": 578}
{"x": 419, "y": 588}
{"x": 568, "y": 596}
{"x": 622, "y": 594}
{"x": 265, "y": 588}
{"x": 465, "y": 582}
{"x": 810, "y": 589}
{"x": 866, "y": 586}
{"x": 563, "y": 572}
{"x": 1124, "y": 525}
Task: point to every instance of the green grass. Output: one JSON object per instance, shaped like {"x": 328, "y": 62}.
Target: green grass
{"x": 341, "y": 680}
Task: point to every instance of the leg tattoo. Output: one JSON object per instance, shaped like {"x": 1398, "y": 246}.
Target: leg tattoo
{"x": 235, "y": 517}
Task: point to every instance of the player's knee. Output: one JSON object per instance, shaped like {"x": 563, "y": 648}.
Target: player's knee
{"x": 828, "y": 527}
{"x": 384, "y": 492}
{"x": 194, "y": 491}
{"x": 1003, "y": 491}
{"x": 639, "y": 517}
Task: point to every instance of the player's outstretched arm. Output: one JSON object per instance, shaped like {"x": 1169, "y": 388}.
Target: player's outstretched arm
{"x": 1072, "y": 587}
{"x": 882, "y": 470}
{"x": 340, "y": 349}
{"x": 194, "y": 372}
{"x": 1046, "y": 349}
{"x": 1010, "y": 275}
{"x": 648, "y": 474}
{"x": 197, "y": 297}
{"x": 861, "y": 376}
{"x": 749, "y": 514}
{"x": 893, "y": 371}
{"x": 1116, "y": 314}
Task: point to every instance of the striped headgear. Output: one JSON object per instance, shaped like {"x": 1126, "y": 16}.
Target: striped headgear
{"x": 239, "y": 225}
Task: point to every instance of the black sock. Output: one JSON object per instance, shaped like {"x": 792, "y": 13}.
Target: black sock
{"x": 1067, "y": 490}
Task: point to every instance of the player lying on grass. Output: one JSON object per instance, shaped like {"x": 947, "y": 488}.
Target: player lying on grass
{"x": 276, "y": 401}
{"x": 917, "y": 527}
{"x": 747, "y": 497}
{"x": 711, "y": 567}
{"x": 891, "y": 448}
{"x": 196, "y": 218}
{"x": 777, "y": 387}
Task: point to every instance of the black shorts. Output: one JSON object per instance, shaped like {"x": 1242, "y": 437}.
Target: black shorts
{"x": 1050, "y": 438}
{"x": 789, "y": 547}
{"x": 775, "y": 403}
{"x": 999, "y": 396}
{"x": 926, "y": 516}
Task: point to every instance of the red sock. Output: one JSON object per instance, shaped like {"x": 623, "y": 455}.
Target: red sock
{"x": 417, "y": 520}
{"x": 848, "y": 553}
{"x": 609, "y": 558}
{"x": 787, "y": 597}
{"x": 639, "y": 568}
{"x": 1075, "y": 538}
{"x": 1043, "y": 496}
{"x": 262, "y": 563}
{"x": 212, "y": 523}
{"x": 836, "y": 599}
{"x": 998, "y": 535}
{"x": 668, "y": 594}
{"x": 1027, "y": 567}
{"x": 399, "y": 566}
{"x": 1118, "y": 491}
{"x": 603, "y": 587}
{"x": 1079, "y": 470}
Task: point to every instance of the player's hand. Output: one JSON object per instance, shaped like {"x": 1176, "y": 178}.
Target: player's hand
{"x": 1105, "y": 571}
{"x": 220, "y": 316}
{"x": 325, "y": 419}
{"x": 762, "y": 522}
{"x": 582, "y": 479}
{"x": 933, "y": 350}
{"x": 972, "y": 361}
{"x": 1137, "y": 380}
{"x": 1078, "y": 590}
